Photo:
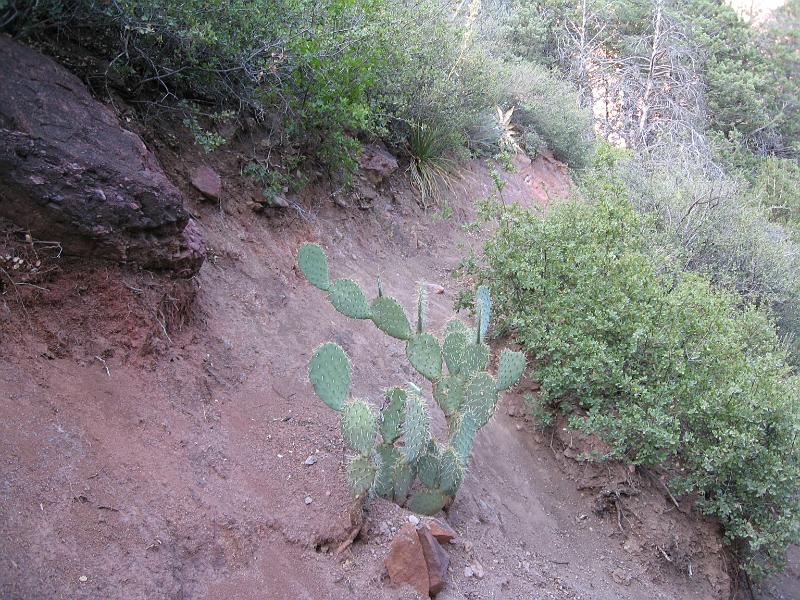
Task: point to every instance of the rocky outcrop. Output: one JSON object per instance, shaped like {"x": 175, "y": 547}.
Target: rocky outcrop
{"x": 70, "y": 173}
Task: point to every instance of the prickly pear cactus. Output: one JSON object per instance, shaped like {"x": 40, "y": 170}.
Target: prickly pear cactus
{"x": 395, "y": 449}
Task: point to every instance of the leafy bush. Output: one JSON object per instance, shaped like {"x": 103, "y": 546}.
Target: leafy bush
{"x": 778, "y": 185}
{"x": 667, "y": 368}
{"x": 318, "y": 73}
{"x": 713, "y": 224}
{"x": 547, "y": 107}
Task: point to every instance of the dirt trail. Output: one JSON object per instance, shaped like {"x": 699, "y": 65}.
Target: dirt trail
{"x": 137, "y": 468}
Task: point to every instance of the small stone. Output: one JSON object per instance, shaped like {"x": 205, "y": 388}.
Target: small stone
{"x": 436, "y": 559}
{"x": 83, "y": 579}
{"x": 280, "y": 201}
{"x": 468, "y": 571}
{"x": 413, "y": 519}
{"x": 441, "y": 530}
{"x": 406, "y": 561}
{"x": 308, "y": 500}
{"x": 207, "y": 181}
{"x": 477, "y": 569}
{"x": 311, "y": 460}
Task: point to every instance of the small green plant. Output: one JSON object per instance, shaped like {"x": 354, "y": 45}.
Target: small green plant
{"x": 272, "y": 181}
{"x": 206, "y": 139}
{"x": 430, "y": 168}
{"x": 539, "y": 410}
{"x": 462, "y": 388}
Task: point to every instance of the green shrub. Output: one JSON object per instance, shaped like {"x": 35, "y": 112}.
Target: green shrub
{"x": 548, "y": 108}
{"x": 710, "y": 223}
{"x": 778, "y": 185}
{"x": 431, "y": 168}
{"x": 667, "y": 368}
{"x": 317, "y": 73}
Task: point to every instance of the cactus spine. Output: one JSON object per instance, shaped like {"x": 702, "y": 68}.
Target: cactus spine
{"x": 394, "y": 450}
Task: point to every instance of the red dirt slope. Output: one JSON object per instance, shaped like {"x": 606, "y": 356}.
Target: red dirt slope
{"x": 149, "y": 451}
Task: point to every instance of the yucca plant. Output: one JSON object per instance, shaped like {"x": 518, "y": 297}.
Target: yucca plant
{"x": 431, "y": 169}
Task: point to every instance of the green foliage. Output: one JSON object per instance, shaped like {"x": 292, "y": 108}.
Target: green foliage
{"x": 667, "y": 368}
{"x": 706, "y": 222}
{"x": 207, "y": 140}
{"x": 406, "y": 450}
{"x": 272, "y": 180}
{"x": 317, "y": 73}
{"x": 431, "y": 168}
{"x": 548, "y": 110}
{"x": 778, "y": 184}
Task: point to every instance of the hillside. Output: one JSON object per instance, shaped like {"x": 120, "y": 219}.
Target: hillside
{"x": 216, "y": 220}
{"x": 179, "y": 471}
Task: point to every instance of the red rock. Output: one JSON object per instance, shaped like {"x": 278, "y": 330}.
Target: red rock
{"x": 207, "y": 181}
{"x": 406, "y": 561}
{"x": 377, "y": 163}
{"x": 440, "y": 530}
{"x": 436, "y": 560}
{"x": 69, "y": 171}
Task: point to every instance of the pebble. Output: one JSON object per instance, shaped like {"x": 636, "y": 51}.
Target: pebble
{"x": 308, "y": 500}
{"x": 413, "y": 519}
{"x": 468, "y": 571}
{"x": 310, "y": 461}
{"x": 83, "y": 579}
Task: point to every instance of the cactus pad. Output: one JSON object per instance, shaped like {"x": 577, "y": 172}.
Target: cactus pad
{"x": 449, "y": 394}
{"x": 452, "y": 471}
{"x": 480, "y": 398}
{"x": 360, "y": 475}
{"x": 510, "y": 369}
{"x": 358, "y": 426}
{"x": 484, "y": 304}
{"x": 329, "y": 373}
{"x": 392, "y": 414}
{"x": 427, "y": 502}
{"x": 416, "y": 427}
{"x": 314, "y": 264}
{"x": 454, "y": 325}
{"x": 420, "y": 309}
{"x": 390, "y": 317}
{"x": 425, "y": 355}
{"x": 403, "y": 478}
{"x": 463, "y": 434}
{"x": 347, "y": 297}
{"x": 428, "y": 468}
{"x": 384, "y": 481}
{"x": 475, "y": 358}
{"x": 455, "y": 344}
